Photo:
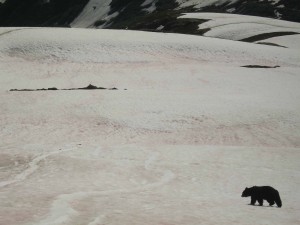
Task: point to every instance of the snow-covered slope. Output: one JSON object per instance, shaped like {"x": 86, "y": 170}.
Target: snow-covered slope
{"x": 192, "y": 129}
{"x": 137, "y": 14}
{"x": 121, "y": 10}
{"x": 95, "y": 10}
{"x": 204, "y": 3}
{"x": 291, "y": 41}
{"x": 95, "y": 46}
{"x": 240, "y": 27}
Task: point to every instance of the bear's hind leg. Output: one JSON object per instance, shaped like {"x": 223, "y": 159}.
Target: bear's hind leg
{"x": 260, "y": 201}
{"x": 253, "y": 200}
{"x": 271, "y": 202}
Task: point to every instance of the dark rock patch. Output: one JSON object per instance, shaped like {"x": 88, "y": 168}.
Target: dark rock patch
{"x": 264, "y": 36}
{"x": 260, "y": 66}
{"x": 89, "y": 87}
{"x": 271, "y": 44}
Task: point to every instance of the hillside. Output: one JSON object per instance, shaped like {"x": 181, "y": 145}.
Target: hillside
{"x": 240, "y": 27}
{"x": 134, "y": 14}
{"x": 185, "y": 124}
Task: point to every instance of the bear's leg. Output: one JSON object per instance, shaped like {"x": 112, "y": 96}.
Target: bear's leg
{"x": 271, "y": 202}
{"x": 253, "y": 200}
{"x": 277, "y": 199}
{"x": 260, "y": 201}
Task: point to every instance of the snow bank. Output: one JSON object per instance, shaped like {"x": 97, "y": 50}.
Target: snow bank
{"x": 101, "y": 47}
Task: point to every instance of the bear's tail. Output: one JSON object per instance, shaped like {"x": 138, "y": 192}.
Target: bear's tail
{"x": 278, "y": 200}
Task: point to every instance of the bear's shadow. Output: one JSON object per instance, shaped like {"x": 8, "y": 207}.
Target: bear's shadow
{"x": 267, "y": 206}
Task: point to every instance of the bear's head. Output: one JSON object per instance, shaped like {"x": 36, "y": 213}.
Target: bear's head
{"x": 246, "y": 192}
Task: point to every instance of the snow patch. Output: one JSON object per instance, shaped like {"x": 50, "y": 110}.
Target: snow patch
{"x": 230, "y": 10}
{"x": 278, "y": 14}
{"x": 274, "y": 2}
{"x": 94, "y": 11}
{"x": 204, "y": 3}
{"x": 151, "y": 5}
{"x": 159, "y": 28}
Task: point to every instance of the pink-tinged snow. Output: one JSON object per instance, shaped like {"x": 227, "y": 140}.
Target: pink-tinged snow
{"x": 237, "y": 27}
{"x": 179, "y": 146}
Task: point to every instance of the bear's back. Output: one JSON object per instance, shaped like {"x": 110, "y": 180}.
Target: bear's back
{"x": 264, "y": 191}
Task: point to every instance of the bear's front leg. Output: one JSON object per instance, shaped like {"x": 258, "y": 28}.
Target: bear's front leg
{"x": 253, "y": 200}
{"x": 260, "y": 201}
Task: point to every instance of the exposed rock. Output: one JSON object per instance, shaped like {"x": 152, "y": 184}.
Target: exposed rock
{"x": 89, "y": 87}
{"x": 260, "y": 66}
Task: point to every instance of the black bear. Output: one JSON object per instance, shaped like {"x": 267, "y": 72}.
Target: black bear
{"x": 263, "y": 193}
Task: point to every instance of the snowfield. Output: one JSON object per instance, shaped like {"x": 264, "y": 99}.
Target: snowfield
{"x": 238, "y": 27}
{"x": 187, "y": 130}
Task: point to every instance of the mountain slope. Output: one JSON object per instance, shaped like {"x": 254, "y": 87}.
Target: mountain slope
{"x": 241, "y": 27}
{"x": 40, "y": 13}
{"x": 126, "y": 14}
